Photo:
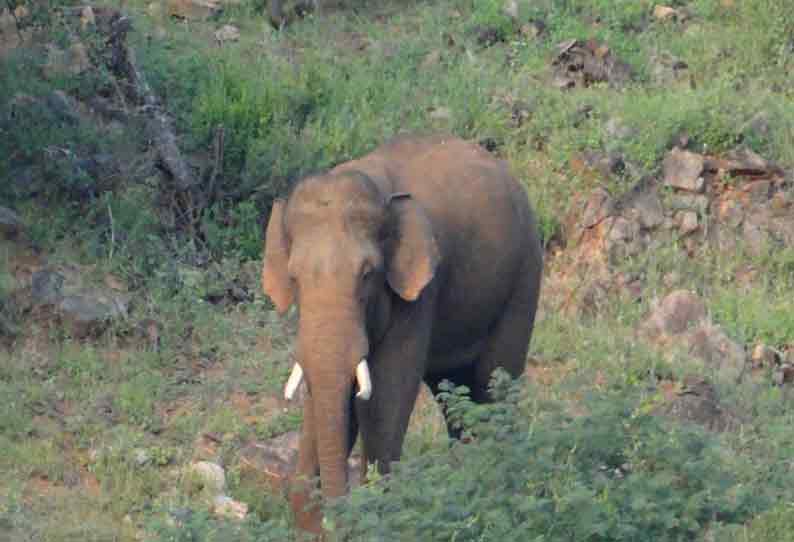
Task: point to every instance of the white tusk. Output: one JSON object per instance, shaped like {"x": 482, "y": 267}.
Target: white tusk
{"x": 364, "y": 381}
{"x": 293, "y": 382}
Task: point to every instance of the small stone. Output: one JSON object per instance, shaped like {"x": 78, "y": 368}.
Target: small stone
{"x": 755, "y": 234}
{"x": 763, "y": 356}
{"x": 687, "y": 222}
{"x": 87, "y": 18}
{"x": 712, "y": 345}
{"x": 227, "y": 32}
{"x": 665, "y": 13}
{"x": 532, "y": 29}
{"x": 196, "y": 10}
{"x": 78, "y": 58}
{"x": 141, "y": 457}
{"x": 649, "y": 210}
{"x": 226, "y": 507}
{"x": 599, "y": 205}
{"x": 729, "y": 212}
{"x": 617, "y": 129}
{"x": 683, "y": 169}
{"x": 10, "y": 223}
{"x": 441, "y": 113}
{"x": 47, "y": 287}
{"x": 758, "y": 126}
{"x": 687, "y": 201}
{"x": 511, "y": 9}
{"x": 671, "y": 279}
{"x": 695, "y": 401}
{"x": 211, "y": 474}
{"x": 677, "y": 312}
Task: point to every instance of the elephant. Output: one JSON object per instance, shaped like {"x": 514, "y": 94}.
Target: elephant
{"x": 419, "y": 262}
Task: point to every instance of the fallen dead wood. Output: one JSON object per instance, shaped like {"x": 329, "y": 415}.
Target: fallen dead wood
{"x": 121, "y": 63}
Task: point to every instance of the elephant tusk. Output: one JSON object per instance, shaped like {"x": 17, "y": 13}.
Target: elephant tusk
{"x": 293, "y": 382}
{"x": 364, "y": 381}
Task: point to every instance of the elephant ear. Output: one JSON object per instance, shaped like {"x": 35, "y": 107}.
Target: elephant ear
{"x": 275, "y": 278}
{"x": 413, "y": 254}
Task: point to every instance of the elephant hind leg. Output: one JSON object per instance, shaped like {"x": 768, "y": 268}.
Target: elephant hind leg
{"x": 506, "y": 347}
{"x": 508, "y": 343}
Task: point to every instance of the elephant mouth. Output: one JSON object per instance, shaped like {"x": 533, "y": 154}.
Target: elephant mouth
{"x": 362, "y": 377}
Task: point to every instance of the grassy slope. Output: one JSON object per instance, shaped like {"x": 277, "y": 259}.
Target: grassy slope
{"x": 73, "y": 416}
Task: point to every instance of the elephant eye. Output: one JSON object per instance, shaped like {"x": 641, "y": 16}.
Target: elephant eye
{"x": 367, "y": 270}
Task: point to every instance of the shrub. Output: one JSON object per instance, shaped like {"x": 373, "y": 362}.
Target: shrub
{"x": 613, "y": 474}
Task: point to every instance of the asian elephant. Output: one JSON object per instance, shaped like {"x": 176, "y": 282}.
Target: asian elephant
{"x": 418, "y": 262}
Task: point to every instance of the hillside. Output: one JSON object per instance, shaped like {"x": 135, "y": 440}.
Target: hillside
{"x": 141, "y": 368}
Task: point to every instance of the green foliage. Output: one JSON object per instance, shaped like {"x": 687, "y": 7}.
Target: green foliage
{"x": 777, "y": 524}
{"x": 612, "y": 474}
{"x": 199, "y": 525}
{"x": 490, "y": 14}
{"x": 233, "y": 232}
{"x": 136, "y": 398}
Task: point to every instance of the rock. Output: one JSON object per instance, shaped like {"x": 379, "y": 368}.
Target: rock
{"x": 89, "y": 313}
{"x": 10, "y": 223}
{"x": 510, "y": 9}
{"x": 226, "y": 507}
{"x": 46, "y": 287}
{"x": 695, "y": 401}
{"x": 676, "y": 313}
{"x": 64, "y": 107}
{"x": 687, "y": 222}
{"x": 87, "y": 18}
{"x": 764, "y": 356}
{"x": 440, "y": 113}
{"x": 141, "y": 457}
{"x": 607, "y": 164}
{"x": 272, "y": 463}
{"x": 667, "y": 69}
{"x": 226, "y": 33}
{"x": 73, "y": 61}
{"x": 755, "y": 234}
{"x": 758, "y": 126}
{"x": 665, "y": 13}
{"x": 647, "y": 210}
{"x": 712, "y": 346}
{"x": 597, "y": 207}
{"x": 532, "y": 29}
{"x": 686, "y": 201}
{"x": 617, "y": 129}
{"x": 194, "y": 10}
{"x": 211, "y": 475}
{"x": 11, "y": 37}
{"x": 582, "y": 64}
{"x": 784, "y": 374}
{"x": 683, "y": 169}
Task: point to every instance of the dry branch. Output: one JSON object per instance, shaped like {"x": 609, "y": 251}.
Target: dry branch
{"x": 121, "y": 63}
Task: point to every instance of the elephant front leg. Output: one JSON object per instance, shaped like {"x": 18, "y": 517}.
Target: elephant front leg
{"x": 397, "y": 367}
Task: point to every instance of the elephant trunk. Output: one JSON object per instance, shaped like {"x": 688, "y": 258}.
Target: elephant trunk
{"x": 331, "y": 351}
{"x": 332, "y": 421}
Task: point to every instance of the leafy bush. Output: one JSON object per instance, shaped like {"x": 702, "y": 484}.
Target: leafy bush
{"x": 612, "y": 474}
{"x": 198, "y": 525}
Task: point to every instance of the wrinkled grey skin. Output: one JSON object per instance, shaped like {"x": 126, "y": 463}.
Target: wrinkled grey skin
{"x": 422, "y": 257}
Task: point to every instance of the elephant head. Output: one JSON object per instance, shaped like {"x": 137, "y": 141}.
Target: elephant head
{"x": 344, "y": 252}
